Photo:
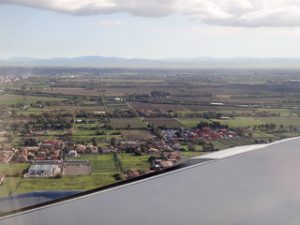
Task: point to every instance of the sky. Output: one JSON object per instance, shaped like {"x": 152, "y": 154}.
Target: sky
{"x": 150, "y": 29}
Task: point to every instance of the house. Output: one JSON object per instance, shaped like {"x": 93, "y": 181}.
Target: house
{"x": 81, "y": 148}
{"x": 93, "y": 149}
{"x": 165, "y": 164}
{"x": 118, "y": 99}
{"x": 21, "y": 157}
{"x": 73, "y": 153}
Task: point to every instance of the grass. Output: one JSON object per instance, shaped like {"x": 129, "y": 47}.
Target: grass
{"x": 65, "y": 183}
{"x": 282, "y": 112}
{"x": 240, "y": 122}
{"x": 223, "y": 143}
{"x": 13, "y": 169}
{"x": 10, "y": 185}
{"x": 190, "y": 154}
{"x": 123, "y": 123}
{"x": 164, "y": 122}
{"x": 18, "y": 99}
{"x": 30, "y": 111}
{"x": 286, "y": 121}
{"x": 101, "y": 163}
{"x": 136, "y": 134}
{"x": 259, "y": 134}
{"x": 134, "y": 162}
{"x": 79, "y": 132}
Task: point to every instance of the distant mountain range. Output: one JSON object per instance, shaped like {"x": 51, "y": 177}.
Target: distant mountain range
{"x": 108, "y": 62}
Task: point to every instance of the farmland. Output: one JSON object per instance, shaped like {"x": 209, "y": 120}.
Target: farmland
{"x": 118, "y": 120}
{"x": 24, "y": 100}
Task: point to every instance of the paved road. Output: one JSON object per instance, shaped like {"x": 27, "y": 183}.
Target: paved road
{"x": 255, "y": 188}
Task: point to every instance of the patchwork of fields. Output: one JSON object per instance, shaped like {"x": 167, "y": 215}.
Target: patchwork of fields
{"x": 130, "y": 110}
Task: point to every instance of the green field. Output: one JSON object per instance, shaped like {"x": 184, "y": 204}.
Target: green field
{"x": 101, "y": 163}
{"x": 18, "y": 99}
{"x": 136, "y": 134}
{"x": 123, "y": 123}
{"x": 189, "y": 154}
{"x": 134, "y": 162}
{"x": 13, "y": 169}
{"x": 9, "y": 186}
{"x": 223, "y": 143}
{"x": 286, "y": 121}
{"x": 65, "y": 183}
{"x": 240, "y": 122}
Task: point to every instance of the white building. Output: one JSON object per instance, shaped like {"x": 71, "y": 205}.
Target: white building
{"x": 43, "y": 170}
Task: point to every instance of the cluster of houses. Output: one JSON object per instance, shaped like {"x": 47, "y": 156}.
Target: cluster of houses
{"x": 6, "y": 154}
{"x": 203, "y": 134}
{"x": 166, "y": 160}
{"x": 48, "y": 150}
{"x": 57, "y": 158}
{"x": 158, "y": 162}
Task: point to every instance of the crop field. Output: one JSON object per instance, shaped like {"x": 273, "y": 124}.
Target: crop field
{"x": 164, "y": 122}
{"x": 64, "y": 183}
{"x": 113, "y": 107}
{"x": 223, "y": 143}
{"x": 18, "y": 99}
{"x": 142, "y": 107}
{"x": 240, "y": 122}
{"x": 251, "y": 121}
{"x": 136, "y": 135}
{"x": 105, "y": 91}
{"x": 145, "y": 107}
{"x": 134, "y": 162}
{"x": 286, "y": 121}
{"x": 101, "y": 139}
{"x": 132, "y": 123}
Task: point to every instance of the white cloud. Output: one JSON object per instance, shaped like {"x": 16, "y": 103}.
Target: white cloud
{"x": 240, "y": 13}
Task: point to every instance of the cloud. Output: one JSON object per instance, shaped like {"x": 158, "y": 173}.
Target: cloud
{"x": 234, "y": 13}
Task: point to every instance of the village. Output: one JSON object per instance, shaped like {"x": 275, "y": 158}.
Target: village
{"x": 56, "y": 158}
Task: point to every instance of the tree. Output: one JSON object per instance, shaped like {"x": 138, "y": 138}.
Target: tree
{"x": 113, "y": 141}
{"x": 94, "y": 141}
